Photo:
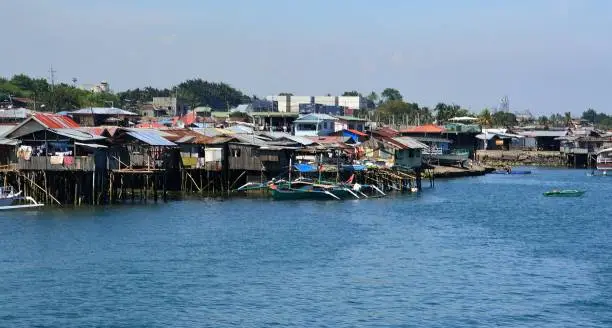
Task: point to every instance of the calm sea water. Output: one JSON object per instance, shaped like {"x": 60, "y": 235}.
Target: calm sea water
{"x": 486, "y": 251}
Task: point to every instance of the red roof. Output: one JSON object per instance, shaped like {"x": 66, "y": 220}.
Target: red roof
{"x": 54, "y": 121}
{"x": 427, "y": 128}
{"x": 189, "y": 118}
{"x": 386, "y": 132}
{"x": 359, "y": 133}
{"x": 150, "y": 125}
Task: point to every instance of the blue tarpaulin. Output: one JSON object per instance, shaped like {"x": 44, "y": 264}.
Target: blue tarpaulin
{"x": 305, "y": 168}
{"x": 354, "y": 167}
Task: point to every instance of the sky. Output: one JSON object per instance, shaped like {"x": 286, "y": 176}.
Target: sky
{"x": 546, "y": 56}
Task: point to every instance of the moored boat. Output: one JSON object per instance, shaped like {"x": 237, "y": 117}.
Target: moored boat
{"x": 511, "y": 172}
{"x": 564, "y": 193}
{"x": 604, "y": 160}
{"x": 9, "y": 199}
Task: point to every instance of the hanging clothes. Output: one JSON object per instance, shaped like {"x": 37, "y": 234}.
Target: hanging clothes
{"x": 56, "y": 160}
{"x": 68, "y": 160}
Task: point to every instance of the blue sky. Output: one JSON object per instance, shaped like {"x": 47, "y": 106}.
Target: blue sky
{"x": 545, "y": 55}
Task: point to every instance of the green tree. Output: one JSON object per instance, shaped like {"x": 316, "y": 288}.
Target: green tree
{"x": 543, "y": 121}
{"x": 445, "y": 112}
{"x": 372, "y": 100}
{"x": 390, "y": 94}
{"x": 503, "y": 119}
{"x": 351, "y": 93}
{"x": 485, "y": 119}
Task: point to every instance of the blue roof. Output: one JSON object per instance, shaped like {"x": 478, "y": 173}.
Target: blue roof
{"x": 150, "y": 138}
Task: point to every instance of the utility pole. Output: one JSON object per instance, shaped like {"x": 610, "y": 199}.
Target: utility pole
{"x": 52, "y": 72}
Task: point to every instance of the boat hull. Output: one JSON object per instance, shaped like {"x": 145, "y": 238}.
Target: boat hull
{"x": 564, "y": 193}
{"x": 298, "y": 194}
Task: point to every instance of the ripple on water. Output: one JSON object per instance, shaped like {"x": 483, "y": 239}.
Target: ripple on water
{"x": 485, "y": 251}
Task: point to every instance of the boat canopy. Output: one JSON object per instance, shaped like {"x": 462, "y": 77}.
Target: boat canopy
{"x": 606, "y": 150}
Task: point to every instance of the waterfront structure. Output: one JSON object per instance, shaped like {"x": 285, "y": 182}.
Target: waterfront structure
{"x": 315, "y": 125}
{"x": 97, "y": 116}
{"x": 546, "y": 140}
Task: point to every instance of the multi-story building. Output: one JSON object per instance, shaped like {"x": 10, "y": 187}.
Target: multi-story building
{"x": 292, "y": 104}
{"x": 173, "y": 105}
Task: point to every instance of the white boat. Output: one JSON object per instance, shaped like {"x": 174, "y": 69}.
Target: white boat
{"x": 9, "y": 199}
{"x": 604, "y": 159}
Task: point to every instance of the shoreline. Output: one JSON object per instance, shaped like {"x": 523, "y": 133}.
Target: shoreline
{"x": 456, "y": 172}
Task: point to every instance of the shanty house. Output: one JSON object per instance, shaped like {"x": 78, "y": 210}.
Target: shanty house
{"x": 142, "y": 149}
{"x": 315, "y": 125}
{"x": 54, "y": 142}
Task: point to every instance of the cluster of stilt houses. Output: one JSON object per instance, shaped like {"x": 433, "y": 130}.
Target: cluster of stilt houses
{"x": 53, "y": 159}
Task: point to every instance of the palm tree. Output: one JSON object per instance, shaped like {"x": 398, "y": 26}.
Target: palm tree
{"x": 484, "y": 118}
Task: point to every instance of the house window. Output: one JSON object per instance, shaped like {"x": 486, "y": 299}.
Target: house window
{"x": 235, "y": 152}
{"x": 410, "y": 153}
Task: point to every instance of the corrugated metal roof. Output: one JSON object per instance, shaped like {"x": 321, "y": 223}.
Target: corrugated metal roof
{"x": 427, "y": 128}
{"x": 5, "y": 129}
{"x": 315, "y": 118}
{"x": 185, "y": 139}
{"x": 543, "y": 133}
{"x": 103, "y": 111}
{"x": 53, "y": 121}
{"x": 21, "y": 113}
{"x": 9, "y": 142}
{"x": 76, "y": 134}
{"x": 90, "y": 145}
{"x": 150, "y": 138}
{"x": 410, "y": 143}
{"x": 284, "y": 135}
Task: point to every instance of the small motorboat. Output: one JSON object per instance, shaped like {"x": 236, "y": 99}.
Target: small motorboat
{"x": 564, "y": 193}
{"x": 512, "y": 172}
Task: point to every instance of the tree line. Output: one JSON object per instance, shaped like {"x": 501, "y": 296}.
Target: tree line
{"x": 65, "y": 97}
{"x": 388, "y": 107}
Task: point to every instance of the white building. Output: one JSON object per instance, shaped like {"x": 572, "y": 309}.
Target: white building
{"x": 326, "y": 100}
{"x": 314, "y": 125}
{"x": 352, "y": 102}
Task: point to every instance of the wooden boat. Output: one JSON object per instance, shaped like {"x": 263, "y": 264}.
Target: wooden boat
{"x": 564, "y": 193}
{"x": 288, "y": 193}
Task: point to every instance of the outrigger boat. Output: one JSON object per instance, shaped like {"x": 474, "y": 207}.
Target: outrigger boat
{"x": 303, "y": 188}
{"x": 9, "y": 199}
{"x": 564, "y": 193}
